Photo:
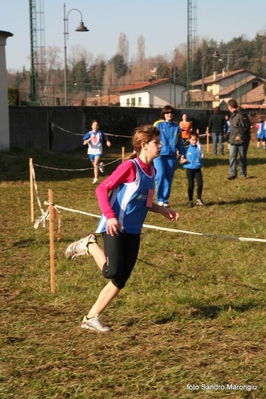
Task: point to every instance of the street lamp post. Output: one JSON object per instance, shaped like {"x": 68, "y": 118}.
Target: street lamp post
{"x": 80, "y": 28}
{"x": 174, "y": 77}
{"x": 202, "y": 75}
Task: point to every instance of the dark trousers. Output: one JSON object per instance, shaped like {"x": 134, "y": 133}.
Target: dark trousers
{"x": 121, "y": 254}
{"x": 242, "y": 150}
{"x": 192, "y": 175}
{"x": 217, "y": 138}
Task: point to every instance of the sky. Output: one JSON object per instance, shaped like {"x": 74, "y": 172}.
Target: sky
{"x": 162, "y": 23}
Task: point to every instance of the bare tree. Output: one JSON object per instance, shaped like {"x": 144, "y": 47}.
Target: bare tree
{"x": 79, "y": 53}
{"x": 110, "y": 79}
{"x": 140, "y": 69}
{"x": 123, "y": 46}
{"x": 140, "y": 49}
{"x": 48, "y": 62}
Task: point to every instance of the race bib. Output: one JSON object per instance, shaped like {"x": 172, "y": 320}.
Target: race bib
{"x": 149, "y": 198}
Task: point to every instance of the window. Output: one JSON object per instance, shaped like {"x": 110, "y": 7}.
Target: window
{"x": 254, "y": 85}
{"x": 139, "y": 100}
{"x": 128, "y": 102}
{"x": 133, "y": 102}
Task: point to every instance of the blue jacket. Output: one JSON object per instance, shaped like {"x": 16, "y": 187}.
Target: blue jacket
{"x": 171, "y": 138}
{"x": 193, "y": 156}
{"x": 260, "y": 131}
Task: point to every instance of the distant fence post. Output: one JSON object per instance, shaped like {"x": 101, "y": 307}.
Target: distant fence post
{"x": 51, "y": 231}
{"x": 31, "y": 191}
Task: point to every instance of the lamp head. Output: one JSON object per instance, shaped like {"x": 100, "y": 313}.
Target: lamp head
{"x": 82, "y": 28}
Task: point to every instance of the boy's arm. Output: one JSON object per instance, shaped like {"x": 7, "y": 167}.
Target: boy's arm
{"x": 108, "y": 142}
{"x": 86, "y": 138}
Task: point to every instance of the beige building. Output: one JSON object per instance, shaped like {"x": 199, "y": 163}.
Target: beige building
{"x": 218, "y": 88}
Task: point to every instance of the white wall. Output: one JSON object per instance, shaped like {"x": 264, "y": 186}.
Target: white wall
{"x": 144, "y": 95}
{"x": 4, "y": 115}
{"x": 155, "y": 96}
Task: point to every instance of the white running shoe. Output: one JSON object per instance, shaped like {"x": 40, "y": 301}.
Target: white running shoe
{"x": 80, "y": 247}
{"x": 160, "y": 203}
{"x": 199, "y": 202}
{"x": 101, "y": 167}
{"x": 93, "y": 323}
{"x": 95, "y": 181}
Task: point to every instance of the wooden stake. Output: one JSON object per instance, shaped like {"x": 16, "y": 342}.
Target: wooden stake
{"x": 123, "y": 154}
{"x": 207, "y": 139}
{"x": 197, "y": 131}
{"x": 31, "y": 192}
{"x": 51, "y": 233}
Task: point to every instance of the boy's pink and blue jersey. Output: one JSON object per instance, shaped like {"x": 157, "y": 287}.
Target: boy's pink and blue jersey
{"x": 129, "y": 200}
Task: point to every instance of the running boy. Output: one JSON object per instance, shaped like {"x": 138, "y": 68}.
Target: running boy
{"x": 131, "y": 186}
{"x": 94, "y": 141}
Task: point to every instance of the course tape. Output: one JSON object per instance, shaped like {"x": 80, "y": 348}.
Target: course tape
{"x": 205, "y": 235}
{"x": 82, "y": 134}
{"x": 169, "y": 229}
{"x": 107, "y": 134}
{"x": 77, "y": 170}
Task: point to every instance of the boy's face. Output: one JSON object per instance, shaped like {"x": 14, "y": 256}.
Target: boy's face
{"x": 193, "y": 140}
{"x": 95, "y": 126}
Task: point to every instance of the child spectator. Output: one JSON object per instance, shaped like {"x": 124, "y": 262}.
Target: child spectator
{"x": 193, "y": 155}
{"x": 186, "y": 127}
{"x": 227, "y": 130}
{"x": 261, "y": 133}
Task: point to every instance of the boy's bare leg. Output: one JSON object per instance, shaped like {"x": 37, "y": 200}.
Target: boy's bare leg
{"x": 96, "y": 169}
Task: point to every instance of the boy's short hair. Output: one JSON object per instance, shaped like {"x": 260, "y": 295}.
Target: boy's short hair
{"x": 233, "y": 103}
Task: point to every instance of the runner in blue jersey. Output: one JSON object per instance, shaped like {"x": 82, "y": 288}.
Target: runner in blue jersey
{"x": 131, "y": 189}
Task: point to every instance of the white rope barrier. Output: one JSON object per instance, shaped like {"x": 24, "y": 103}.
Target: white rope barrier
{"x": 74, "y": 210}
{"x": 205, "y": 235}
{"x": 77, "y": 170}
{"x": 82, "y": 134}
{"x": 148, "y": 226}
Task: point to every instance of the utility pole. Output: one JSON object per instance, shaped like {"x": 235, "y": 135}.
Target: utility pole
{"x": 36, "y": 44}
{"x": 191, "y": 29}
{"x": 174, "y": 77}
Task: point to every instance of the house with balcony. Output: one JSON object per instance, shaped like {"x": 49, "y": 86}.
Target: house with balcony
{"x": 154, "y": 93}
{"x": 218, "y": 88}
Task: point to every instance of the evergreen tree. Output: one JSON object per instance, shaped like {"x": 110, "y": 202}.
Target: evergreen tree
{"x": 120, "y": 67}
{"x": 79, "y": 76}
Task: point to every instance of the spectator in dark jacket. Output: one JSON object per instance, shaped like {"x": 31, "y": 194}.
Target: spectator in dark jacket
{"x": 217, "y": 125}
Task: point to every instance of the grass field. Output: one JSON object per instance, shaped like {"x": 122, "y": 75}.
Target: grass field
{"x": 190, "y": 322}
